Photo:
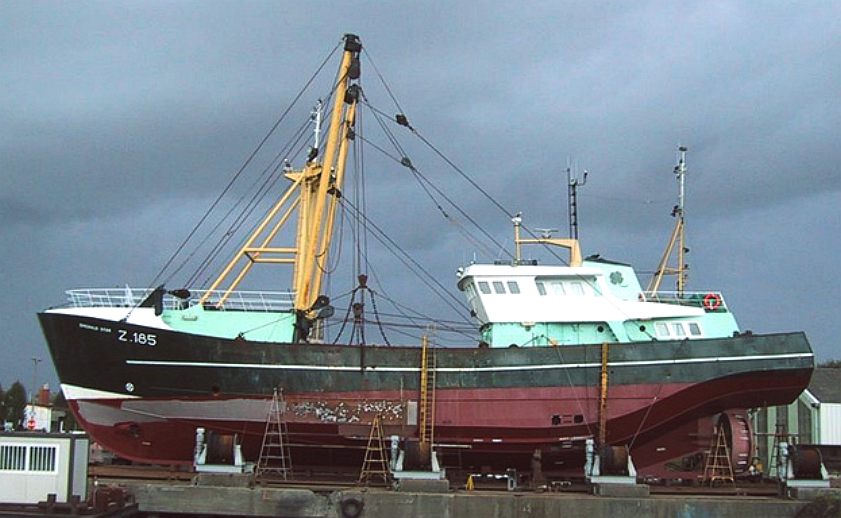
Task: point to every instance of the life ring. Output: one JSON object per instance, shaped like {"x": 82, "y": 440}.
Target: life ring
{"x": 712, "y": 301}
{"x": 351, "y": 507}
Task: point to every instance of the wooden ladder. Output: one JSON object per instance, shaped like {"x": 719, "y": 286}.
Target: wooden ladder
{"x": 427, "y": 393}
{"x": 719, "y": 468}
{"x": 275, "y": 460}
{"x": 375, "y": 463}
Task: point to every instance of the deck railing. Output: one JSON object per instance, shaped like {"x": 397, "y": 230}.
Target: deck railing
{"x": 713, "y": 300}
{"x": 132, "y": 297}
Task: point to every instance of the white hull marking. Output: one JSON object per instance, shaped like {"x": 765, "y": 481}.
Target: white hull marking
{"x": 471, "y": 369}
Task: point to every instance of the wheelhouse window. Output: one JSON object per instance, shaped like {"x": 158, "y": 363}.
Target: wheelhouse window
{"x": 484, "y": 287}
{"x": 576, "y": 289}
{"x": 513, "y": 287}
{"x": 661, "y": 329}
{"x": 694, "y": 329}
{"x": 541, "y": 288}
{"x": 678, "y": 329}
{"x": 499, "y": 288}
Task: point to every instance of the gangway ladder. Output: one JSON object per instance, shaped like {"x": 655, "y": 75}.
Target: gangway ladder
{"x": 375, "y": 464}
{"x": 275, "y": 460}
{"x": 719, "y": 468}
{"x": 427, "y": 395}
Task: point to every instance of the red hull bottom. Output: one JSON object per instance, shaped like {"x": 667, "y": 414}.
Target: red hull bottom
{"x": 666, "y": 426}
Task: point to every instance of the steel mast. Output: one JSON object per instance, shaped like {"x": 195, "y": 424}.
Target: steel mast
{"x": 313, "y": 194}
{"x": 678, "y": 236}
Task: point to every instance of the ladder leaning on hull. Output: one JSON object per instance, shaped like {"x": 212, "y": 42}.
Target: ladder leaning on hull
{"x": 375, "y": 463}
{"x": 275, "y": 460}
{"x": 719, "y": 468}
{"x": 427, "y": 395}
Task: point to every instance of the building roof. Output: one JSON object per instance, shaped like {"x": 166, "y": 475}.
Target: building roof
{"x": 826, "y": 385}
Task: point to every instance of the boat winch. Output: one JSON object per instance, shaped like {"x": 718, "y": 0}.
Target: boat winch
{"x": 801, "y": 466}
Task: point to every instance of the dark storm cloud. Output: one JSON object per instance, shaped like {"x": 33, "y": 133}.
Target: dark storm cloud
{"x": 120, "y": 122}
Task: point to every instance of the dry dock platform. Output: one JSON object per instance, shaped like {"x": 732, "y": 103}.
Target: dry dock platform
{"x": 240, "y": 498}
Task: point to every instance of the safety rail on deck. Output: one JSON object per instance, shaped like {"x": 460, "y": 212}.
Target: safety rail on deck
{"x": 132, "y": 297}
{"x": 709, "y": 300}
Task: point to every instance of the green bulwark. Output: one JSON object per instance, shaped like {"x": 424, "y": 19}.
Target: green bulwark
{"x": 263, "y": 326}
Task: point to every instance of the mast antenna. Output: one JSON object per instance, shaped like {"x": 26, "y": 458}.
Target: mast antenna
{"x": 316, "y": 115}
{"x": 573, "y": 183}
{"x": 678, "y": 235}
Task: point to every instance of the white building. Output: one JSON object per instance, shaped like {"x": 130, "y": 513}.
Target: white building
{"x": 33, "y": 465}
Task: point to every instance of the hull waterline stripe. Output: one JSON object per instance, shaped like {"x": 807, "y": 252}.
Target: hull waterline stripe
{"x": 471, "y": 369}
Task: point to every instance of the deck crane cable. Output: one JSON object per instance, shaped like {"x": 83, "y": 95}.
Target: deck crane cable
{"x": 403, "y": 309}
{"x": 347, "y": 314}
{"x": 243, "y": 167}
{"x": 383, "y": 81}
{"x": 472, "y": 182}
{"x": 293, "y": 148}
{"x": 427, "y": 278}
{"x": 451, "y": 323}
{"x": 423, "y": 181}
{"x": 361, "y": 252}
{"x": 244, "y": 216}
{"x": 259, "y": 194}
{"x": 403, "y": 121}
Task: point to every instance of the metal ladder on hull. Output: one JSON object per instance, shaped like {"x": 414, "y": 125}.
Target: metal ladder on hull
{"x": 427, "y": 393}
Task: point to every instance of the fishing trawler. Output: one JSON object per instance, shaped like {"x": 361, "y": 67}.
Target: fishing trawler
{"x": 563, "y": 352}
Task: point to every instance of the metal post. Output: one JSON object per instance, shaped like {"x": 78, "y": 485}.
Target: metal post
{"x": 33, "y": 391}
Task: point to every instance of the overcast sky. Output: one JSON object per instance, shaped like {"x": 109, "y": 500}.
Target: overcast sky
{"x": 121, "y": 121}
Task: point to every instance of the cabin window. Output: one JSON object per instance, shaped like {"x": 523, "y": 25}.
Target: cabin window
{"x": 694, "y": 329}
{"x": 484, "y": 287}
{"x": 513, "y": 287}
{"x": 499, "y": 288}
{"x": 677, "y": 329}
{"x": 541, "y": 288}
{"x": 557, "y": 288}
{"x": 576, "y": 289}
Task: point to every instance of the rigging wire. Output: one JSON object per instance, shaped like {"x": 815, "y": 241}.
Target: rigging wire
{"x": 423, "y": 181}
{"x": 391, "y": 245}
{"x": 259, "y": 195}
{"x": 403, "y": 309}
{"x": 402, "y": 120}
{"x": 243, "y": 167}
{"x": 292, "y": 149}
